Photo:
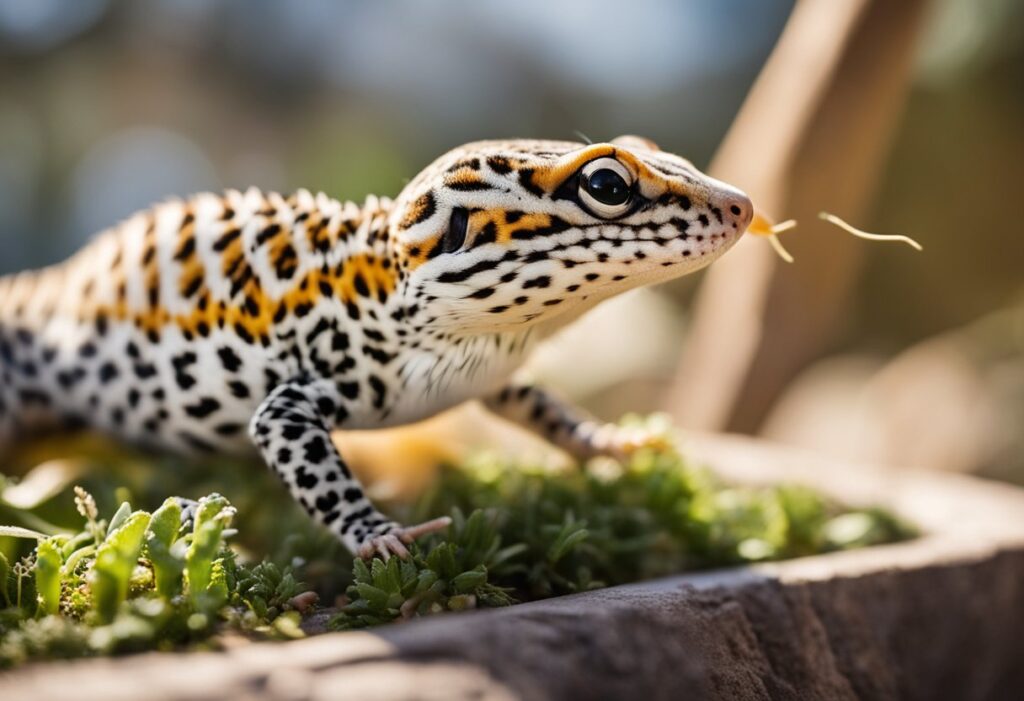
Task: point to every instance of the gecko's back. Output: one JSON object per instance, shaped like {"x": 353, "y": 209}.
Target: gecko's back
{"x": 171, "y": 327}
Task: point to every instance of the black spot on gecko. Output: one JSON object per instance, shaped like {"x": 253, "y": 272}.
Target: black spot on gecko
{"x": 229, "y": 359}
{"x": 305, "y": 479}
{"x": 360, "y": 285}
{"x": 203, "y": 408}
{"x": 315, "y": 449}
{"x": 327, "y": 501}
{"x": 293, "y": 432}
{"x": 482, "y": 293}
{"x": 499, "y": 164}
{"x": 379, "y": 391}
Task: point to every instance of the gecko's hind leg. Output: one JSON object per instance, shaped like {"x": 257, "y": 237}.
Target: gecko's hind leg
{"x": 569, "y": 427}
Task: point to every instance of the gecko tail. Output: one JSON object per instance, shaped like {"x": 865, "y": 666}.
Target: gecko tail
{"x": 9, "y": 404}
{"x": 25, "y": 405}
{"x": 25, "y": 408}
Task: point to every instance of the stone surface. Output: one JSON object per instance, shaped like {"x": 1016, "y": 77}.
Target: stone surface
{"x": 940, "y": 617}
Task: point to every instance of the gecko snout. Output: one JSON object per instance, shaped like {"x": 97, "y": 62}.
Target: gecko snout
{"x": 735, "y": 205}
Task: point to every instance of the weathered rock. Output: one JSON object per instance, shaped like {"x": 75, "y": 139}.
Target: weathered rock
{"x": 939, "y": 617}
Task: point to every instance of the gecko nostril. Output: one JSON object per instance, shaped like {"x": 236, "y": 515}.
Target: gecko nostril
{"x": 740, "y": 207}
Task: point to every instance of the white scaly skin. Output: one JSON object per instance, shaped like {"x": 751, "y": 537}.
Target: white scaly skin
{"x": 222, "y": 322}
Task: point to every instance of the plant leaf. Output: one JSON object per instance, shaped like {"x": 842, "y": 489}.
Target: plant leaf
{"x": 19, "y": 532}
{"x": 167, "y": 565}
{"x": 48, "y": 575}
{"x": 115, "y": 560}
{"x": 119, "y": 517}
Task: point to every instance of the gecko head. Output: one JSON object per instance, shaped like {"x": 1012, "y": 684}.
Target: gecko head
{"x": 498, "y": 234}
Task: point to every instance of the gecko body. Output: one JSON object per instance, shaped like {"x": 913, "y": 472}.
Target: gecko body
{"x": 224, "y": 323}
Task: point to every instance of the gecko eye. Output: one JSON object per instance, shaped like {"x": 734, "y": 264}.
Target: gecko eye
{"x": 455, "y": 234}
{"x": 606, "y": 187}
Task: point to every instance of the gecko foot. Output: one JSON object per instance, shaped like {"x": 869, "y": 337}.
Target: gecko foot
{"x": 394, "y": 541}
{"x": 621, "y": 442}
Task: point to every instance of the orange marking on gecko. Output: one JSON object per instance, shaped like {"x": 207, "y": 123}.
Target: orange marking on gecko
{"x": 255, "y": 315}
{"x": 650, "y": 183}
{"x": 413, "y": 256}
{"x": 322, "y": 236}
{"x": 463, "y": 176}
{"x": 549, "y": 178}
{"x": 504, "y": 228}
{"x": 421, "y": 208}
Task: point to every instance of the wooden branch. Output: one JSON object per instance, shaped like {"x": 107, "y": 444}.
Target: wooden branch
{"x": 812, "y": 135}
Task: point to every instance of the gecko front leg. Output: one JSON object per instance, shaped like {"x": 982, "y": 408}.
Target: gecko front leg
{"x": 566, "y": 426}
{"x": 291, "y": 429}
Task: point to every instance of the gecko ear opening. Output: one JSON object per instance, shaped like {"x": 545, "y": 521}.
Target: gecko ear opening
{"x": 455, "y": 235}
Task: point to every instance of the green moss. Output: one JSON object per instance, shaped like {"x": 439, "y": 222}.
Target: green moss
{"x": 141, "y": 581}
{"x": 534, "y": 533}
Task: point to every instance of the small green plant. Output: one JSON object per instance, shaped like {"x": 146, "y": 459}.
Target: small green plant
{"x": 452, "y": 575}
{"x": 144, "y": 580}
{"x": 137, "y": 581}
{"x": 533, "y": 533}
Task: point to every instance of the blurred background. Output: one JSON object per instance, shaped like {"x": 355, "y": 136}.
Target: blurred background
{"x": 913, "y": 125}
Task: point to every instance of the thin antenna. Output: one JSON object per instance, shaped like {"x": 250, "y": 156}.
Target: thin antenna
{"x": 779, "y": 248}
{"x": 833, "y": 219}
{"x": 583, "y": 136}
